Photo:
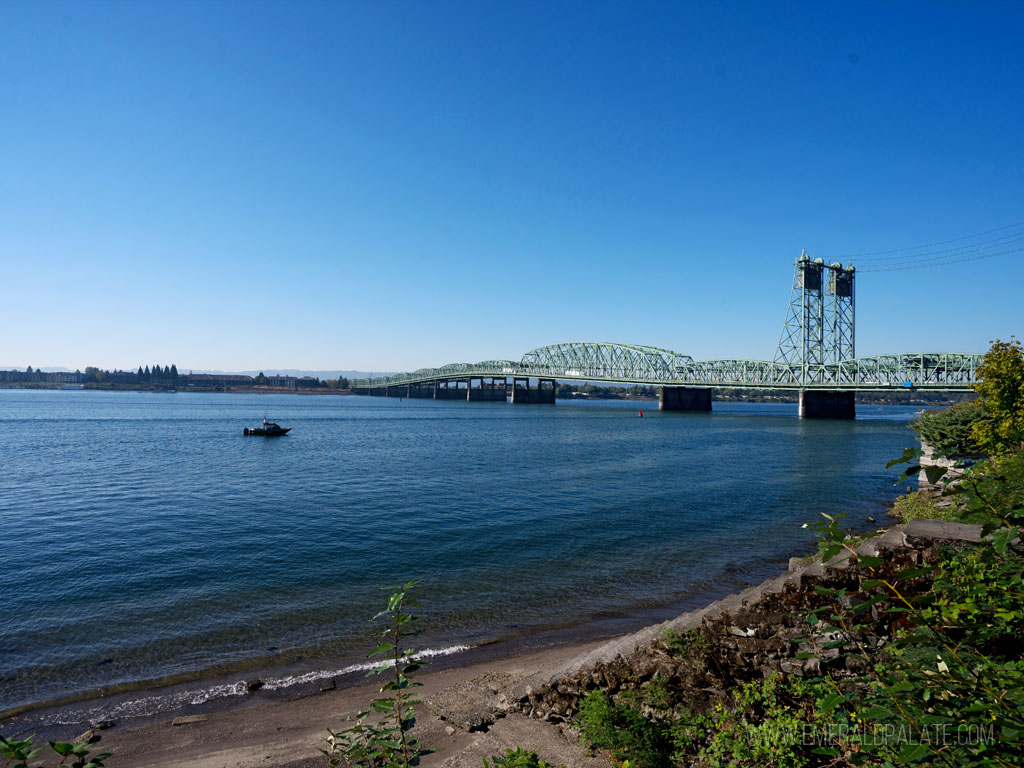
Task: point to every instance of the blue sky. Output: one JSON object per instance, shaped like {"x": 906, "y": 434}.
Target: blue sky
{"x": 390, "y": 185}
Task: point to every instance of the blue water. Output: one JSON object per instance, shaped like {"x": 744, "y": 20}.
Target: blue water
{"x": 145, "y": 537}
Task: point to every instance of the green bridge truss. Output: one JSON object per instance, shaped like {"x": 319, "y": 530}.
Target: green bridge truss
{"x": 816, "y": 351}
{"x": 632, "y": 364}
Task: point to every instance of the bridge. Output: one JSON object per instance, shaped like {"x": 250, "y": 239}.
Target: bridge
{"x": 815, "y": 357}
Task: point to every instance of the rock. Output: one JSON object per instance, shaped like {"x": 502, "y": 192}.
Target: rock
{"x": 102, "y": 725}
{"x": 449, "y": 730}
{"x": 332, "y": 685}
{"x": 254, "y": 685}
{"x": 747, "y": 632}
{"x": 189, "y": 719}
{"x": 87, "y": 738}
{"x": 791, "y": 667}
{"x": 471, "y": 705}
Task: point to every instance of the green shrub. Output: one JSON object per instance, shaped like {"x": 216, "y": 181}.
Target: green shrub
{"x": 623, "y": 731}
{"x": 947, "y": 686}
{"x": 765, "y": 727}
{"x": 20, "y": 753}
{"x": 1001, "y": 392}
{"x": 950, "y": 432}
{"x": 517, "y": 758}
{"x": 381, "y": 735}
{"x": 686, "y": 645}
{"x": 922, "y": 504}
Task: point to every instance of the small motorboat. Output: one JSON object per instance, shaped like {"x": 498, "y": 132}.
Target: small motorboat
{"x": 269, "y": 429}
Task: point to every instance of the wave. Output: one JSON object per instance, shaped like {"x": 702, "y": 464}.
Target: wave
{"x": 149, "y": 706}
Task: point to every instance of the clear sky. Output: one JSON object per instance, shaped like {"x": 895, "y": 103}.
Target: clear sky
{"x": 391, "y": 185}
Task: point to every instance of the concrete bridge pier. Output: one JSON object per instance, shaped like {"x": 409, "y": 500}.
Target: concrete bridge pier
{"x": 421, "y": 390}
{"x": 684, "y": 399}
{"x": 826, "y": 404}
{"x": 543, "y": 394}
{"x": 450, "y": 389}
{"x": 488, "y": 390}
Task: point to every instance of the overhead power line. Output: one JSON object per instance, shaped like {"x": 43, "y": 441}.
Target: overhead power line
{"x": 929, "y": 263}
{"x": 866, "y": 255}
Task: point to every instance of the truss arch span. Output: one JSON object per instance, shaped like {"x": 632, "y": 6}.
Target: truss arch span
{"x": 604, "y": 361}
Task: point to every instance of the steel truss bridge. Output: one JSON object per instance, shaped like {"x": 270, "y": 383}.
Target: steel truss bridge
{"x": 815, "y": 352}
{"x": 632, "y": 364}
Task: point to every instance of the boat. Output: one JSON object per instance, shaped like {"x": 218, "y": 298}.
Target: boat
{"x": 269, "y": 429}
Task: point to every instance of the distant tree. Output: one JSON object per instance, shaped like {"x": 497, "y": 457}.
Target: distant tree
{"x": 29, "y": 369}
{"x": 343, "y": 382}
{"x": 140, "y": 374}
{"x": 261, "y": 379}
{"x": 146, "y": 376}
{"x": 174, "y": 373}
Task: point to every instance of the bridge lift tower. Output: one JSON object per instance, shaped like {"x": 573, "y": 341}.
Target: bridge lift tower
{"x": 819, "y": 330}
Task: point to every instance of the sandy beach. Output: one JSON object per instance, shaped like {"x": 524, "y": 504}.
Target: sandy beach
{"x": 262, "y": 731}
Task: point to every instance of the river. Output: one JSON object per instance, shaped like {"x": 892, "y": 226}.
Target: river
{"x": 145, "y": 538}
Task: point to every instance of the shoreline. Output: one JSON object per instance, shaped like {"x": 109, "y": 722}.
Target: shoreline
{"x": 287, "y": 728}
{"x": 218, "y": 690}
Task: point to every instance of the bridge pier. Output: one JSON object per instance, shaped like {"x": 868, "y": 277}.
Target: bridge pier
{"x": 684, "y": 399}
{"x": 450, "y": 391}
{"x": 489, "y": 392}
{"x": 826, "y": 404}
{"x": 543, "y": 394}
{"x": 421, "y": 390}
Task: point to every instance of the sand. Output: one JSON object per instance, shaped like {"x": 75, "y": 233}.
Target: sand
{"x": 264, "y": 731}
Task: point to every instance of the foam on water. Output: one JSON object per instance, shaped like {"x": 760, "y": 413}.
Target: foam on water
{"x": 149, "y": 706}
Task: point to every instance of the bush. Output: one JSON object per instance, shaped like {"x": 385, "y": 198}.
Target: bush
{"x": 517, "y": 758}
{"x": 950, "y": 432}
{"x": 922, "y": 504}
{"x": 623, "y": 731}
{"x": 1001, "y": 393}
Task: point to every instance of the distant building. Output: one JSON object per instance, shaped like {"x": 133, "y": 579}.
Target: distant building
{"x": 64, "y": 377}
{"x": 122, "y": 377}
{"x": 217, "y": 380}
{"x": 292, "y": 382}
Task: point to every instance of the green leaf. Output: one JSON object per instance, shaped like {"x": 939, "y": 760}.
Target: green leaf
{"x": 829, "y": 702}
{"x": 935, "y": 473}
{"x": 868, "y": 603}
{"x": 908, "y": 455}
{"x": 908, "y": 473}
{"x": 869, "y": 561}
{"x": 382, "y": 648}
{"x": 1001, "y": 539}
{"x": 913, "y": 573}
{"x": 911, "y": 753}
{"x": 875, "y": 713}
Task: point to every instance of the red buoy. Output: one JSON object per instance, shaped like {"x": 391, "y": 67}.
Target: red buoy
{"x": 641, "y": 414}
